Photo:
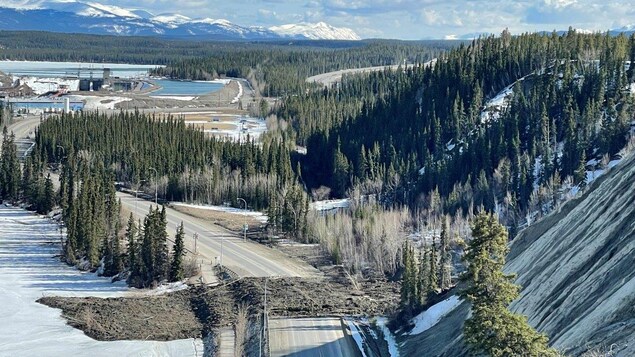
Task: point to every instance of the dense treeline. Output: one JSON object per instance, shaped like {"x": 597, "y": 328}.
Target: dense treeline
{"x": 29, "y": 184}
{"x": 92, "y": 216}
{"x": 9, "y": 168}
{"x": 182, "y": 162}
{"x": 405, "y": 134}
{"x": 274, "y": 67}
{"x": 276, "y": 71}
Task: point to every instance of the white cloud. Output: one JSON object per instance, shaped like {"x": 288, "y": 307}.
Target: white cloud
{"x": 560, "y": 3}
{"x": 406, "y": 19}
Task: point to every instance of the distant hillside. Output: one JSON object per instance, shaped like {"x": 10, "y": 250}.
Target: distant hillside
{"x": 576, "y": 270}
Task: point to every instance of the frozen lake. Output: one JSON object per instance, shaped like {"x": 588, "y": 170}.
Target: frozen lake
{"x": 171, "y": 87}
{"x": 63, "y": 69}
{"x": 28, "y": 271}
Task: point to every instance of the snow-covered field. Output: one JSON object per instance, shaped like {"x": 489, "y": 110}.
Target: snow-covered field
{"x": 42, "y": 85}
{"x": 258, "y": 215}
{"x": 28, "y": 271}
{"x": 243, "y": 126}
{"x": 96, "y": 102}
{"x": 174, "y": 97}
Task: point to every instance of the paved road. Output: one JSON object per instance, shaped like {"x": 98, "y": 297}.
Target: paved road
{"x": 309, "y": 337}
{"x": 226, "y": 340}
{"x": 329, "y": 78}
{"x": 245, "y": 258}
{"x": 24, "y": 126}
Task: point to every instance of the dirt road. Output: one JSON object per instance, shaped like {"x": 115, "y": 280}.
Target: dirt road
{"x": 308, "y": 337}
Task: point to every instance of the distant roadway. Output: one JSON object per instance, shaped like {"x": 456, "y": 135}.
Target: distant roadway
{"x": 329, "y": 78}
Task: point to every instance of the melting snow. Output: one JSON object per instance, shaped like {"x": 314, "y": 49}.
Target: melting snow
{"x": 357, "y": 336}
{"x": 433, "y": 315}
{"x": 174, "y": 97}
{"x": 393, "y": 349}
{"x": 28, "y": 271}
{"x": 44, "y": 85}
{"x": 168, "y": 288}
{"x": 328, "y": 205}
{"x": 258, "y": 215}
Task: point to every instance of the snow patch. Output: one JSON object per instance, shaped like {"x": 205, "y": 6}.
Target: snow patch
{"x": 433, "y": 314}
{"x": 357, "y": 336}
{"x": 184, "y": 98}
{"x": 168, "y": 288}
{"x": 328, "y": 205}
{"x": 393, "y": 349}
{"x": 99, "y": 103}
{"x": 114, "y": 10}
{"x": 239, "y": 95}
{"x": 44, "y": 85}
{"x": 258, "y": 215}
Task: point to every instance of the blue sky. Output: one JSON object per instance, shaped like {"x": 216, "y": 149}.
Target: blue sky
{"x": 406, "y": 19}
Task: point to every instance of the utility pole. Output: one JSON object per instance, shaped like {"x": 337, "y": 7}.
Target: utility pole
{"x": 156, "y": 185}
{"x": 245, "y": 219}
{"x": 295, "y": 222}
{"x": 264, "y": 320}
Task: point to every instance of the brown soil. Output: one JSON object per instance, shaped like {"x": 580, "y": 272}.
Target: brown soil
{"x": 313, "y": 254}
{"x": 160, "y": 318}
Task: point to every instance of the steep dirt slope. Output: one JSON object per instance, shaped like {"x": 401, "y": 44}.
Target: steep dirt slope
{"x": 577, "y": 270}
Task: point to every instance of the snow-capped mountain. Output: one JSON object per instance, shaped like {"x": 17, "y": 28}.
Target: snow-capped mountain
{"x": 96, "y": 18}
{"x": 317, "y": 31}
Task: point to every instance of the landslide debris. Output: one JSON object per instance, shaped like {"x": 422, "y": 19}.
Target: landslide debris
{"x": 160, "y": 318}
{"x": 201, "y": 310}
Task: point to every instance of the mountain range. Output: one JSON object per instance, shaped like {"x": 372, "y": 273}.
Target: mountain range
{"x": 97, "y": 18}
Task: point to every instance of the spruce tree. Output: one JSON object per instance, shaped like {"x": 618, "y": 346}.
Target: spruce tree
{"x": 10, "y": 174}
{"x": 434, "y": 269}
{"x": 147, "y": 249}
{"x": 409, "y": 294}
{"x": 178, "y": 251}
{"x": 492, "y": 329}
{"x": 162, "y": 258}
{"x": 445, "y": 271}
{"x": 47, "y": 201}
{"x": 579, "y": 175}
{"x": 424, "y": 278}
